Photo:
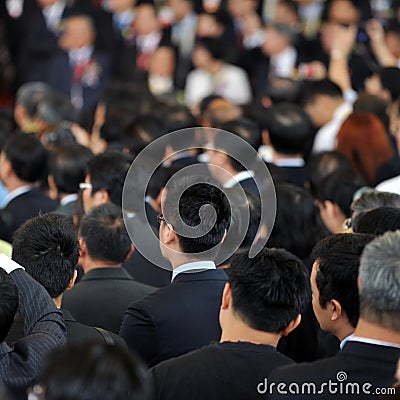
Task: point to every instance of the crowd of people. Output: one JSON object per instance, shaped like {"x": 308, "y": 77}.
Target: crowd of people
{"x": 309, "y": 92}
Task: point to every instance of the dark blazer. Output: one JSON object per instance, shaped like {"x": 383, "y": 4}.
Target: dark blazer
{"x": 102, "y": 296}
{"x": 294, "y": 175}
{"x": 360, "y": 362}
{"x": 66, "y": 209}
{"x": 44, "y": 331}
{"x": 220, "y": 371}
{"x": 22, "y": 208}
{"x": 76, "y": 332}
{"x": 60, "y": 77}
{"x": 176, "y": 319}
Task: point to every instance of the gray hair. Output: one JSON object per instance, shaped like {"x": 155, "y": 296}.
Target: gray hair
{"x": 30, "y": 94}
{"x": 380, "y": 281}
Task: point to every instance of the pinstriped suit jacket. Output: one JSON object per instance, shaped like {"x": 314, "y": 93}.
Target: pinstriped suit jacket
{"x": 44, "y": 329}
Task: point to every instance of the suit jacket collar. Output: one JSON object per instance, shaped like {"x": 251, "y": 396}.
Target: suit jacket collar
{"x": 212, "y": 274}
{"x": 107, "y": 273}
{"x": 367, "y": 351}
{"x": 67, "y": 316}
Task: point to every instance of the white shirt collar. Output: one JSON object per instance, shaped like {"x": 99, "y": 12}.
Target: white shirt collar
{"x": 81, "y": 55}
{"x": 373, "y": 341}
{"x": 284, "y": 62}
{"x": 192, "y": 266}
{"x": 289, "y": 162}
{"x": 241, "y": 176}
{"x": 53, "y": 14}
{"x": 124, "y": 18}
{"x": 15, "y": 193}
{"x": 345, "y": 340}
{"x": 68, "y": 199}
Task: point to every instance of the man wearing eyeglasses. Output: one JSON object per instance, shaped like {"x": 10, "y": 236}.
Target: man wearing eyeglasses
{"x": 184, "y": 315}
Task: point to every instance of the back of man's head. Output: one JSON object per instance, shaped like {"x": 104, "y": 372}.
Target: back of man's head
{"x": 67, "y": 166}
{"x": 108, "y": 172}
{"x": 186, "y": 204}
{"x": 290, "y": 129}
{"x": 270, "y": 290}
{"x": 28, "y": 157}
{"x": 104, "y": 233}
{"x": 378, "y": 221}
{"x": 48, "y": 248}
{"x": 312, "y": 89}
{"x": 379, "y": 278}
{"x": 29, "y": 96}
{"x": 338, "y": 259}
{"x": 8, "y": 303}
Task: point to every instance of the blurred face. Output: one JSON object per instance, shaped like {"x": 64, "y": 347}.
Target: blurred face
{"x": 340, "y": 12}
{"x": 201, "y": 57}
{"x": 46, "y": 3}
{"x": 179, "y": 7}
{"x": 283, "y": 15}
{"x": 146, "y": 20}
{"x": 320, "y": 313}
{"x": 317, "y": 113}
{"x": 162, "y": 62}
{"x": 207, "y": 26}
{"x": 275, "y": 42}
{"x": 373, "y": 86}
{"x": 239, "y": 8}
{"x": 90, "y": 200}
{"x": 393, "y": 43}
{"x": 77, "y": 34}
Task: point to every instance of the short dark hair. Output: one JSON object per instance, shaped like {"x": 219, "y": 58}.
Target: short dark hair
{"x": 312, "y": 89}
{"x": 48, "y": 248}
{"x": 8, "y": 303}
{"x": 188, "y": 205}
{"x": 94, "y": 370}
{"x": 338, "y": 259}
{"x": 290, "y": 128}
{"x": 379, "y": 221}
{"x": 104, "y": 233}
{"x": 67, "y": 165}
{"x": 339, "y": 187}
{"x": 297, "y": 232}
{"x": 213, "y": 45}
{"x": 320, "y": 165}
{"x": 108, "y": 172}
{"x": 269, "y": 290}
{"x": 28, "y": 157}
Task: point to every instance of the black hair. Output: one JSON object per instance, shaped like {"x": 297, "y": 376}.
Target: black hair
{"x": 213, "y": 45}
{"x": 108, "y": 172}
{"x": 312, "y": 89}
{"x": 67, "y": 165}
{"x": 48, "y": 248}
{"x": 8, "y": 303}
{"x": 54, "y": 108}
{"x": 281, "y": 90}
{"x": 269, "y": 290}
{"x": 188, "y": 205}
{"x": 388, "y": 76}
{"x": 246, "y": 129}
{"x": 338, "y": 259}
{"x": 378, "y": 221}
{"x": 105, "y": 234}
{"x": 339, "y": 187}
{"x": 298, "y": 225}
{"x": 93, "y": 371}
{"x": 320, "y": 165}
{"x": 28, "y": 157}
{"x": 290, "y": 129}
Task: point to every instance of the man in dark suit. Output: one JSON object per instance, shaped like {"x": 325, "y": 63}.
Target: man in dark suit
{"x": 290, "y": 132}
{"x": 48, "y": 247}
{"x": 368, "y": 360}
{"x": 262, "y": 301}
{"x": 80, "y": 71}
{"x": 43, "y": 324}
{"x": 23, "y": 161}
{"x": 105, "y": 291}
{"x": 184, "y": 315}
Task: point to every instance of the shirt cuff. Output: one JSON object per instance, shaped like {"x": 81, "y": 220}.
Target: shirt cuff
{"x": 8, "y": 265}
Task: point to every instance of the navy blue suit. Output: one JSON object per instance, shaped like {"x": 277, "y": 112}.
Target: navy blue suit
{"x": 176, "y": 319}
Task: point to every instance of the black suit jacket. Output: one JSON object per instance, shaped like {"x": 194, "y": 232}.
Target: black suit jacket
{"x": 44, "y": 331}
{"x": 102, "y": 296}
{"x": 294, "y": 175}
{"x": 22, "y": 208}
{"x": 358, "y": 362}
{"x": 60, "y": 77}
{"x": 176, "y": 319}
{"x": 220, "y": 371}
